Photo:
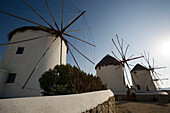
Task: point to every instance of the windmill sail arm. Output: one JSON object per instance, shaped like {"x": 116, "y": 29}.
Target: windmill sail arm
{"x": 134, "y": 58}
{"x": 79, "y": 39}
{"x": 21, "y": 41}
{"x": 52, "y": 15}
{"x": 38, "y": 63}
{"x": 126, "y": 49}
{"x": 120, "y": 45}
{"x": 160, "y": 79}
{"x": 115, "y": 56}
{"x": 38, "y": 14}
{"x": 80, "y": 52}
{"x": 74, "y": 58}
{"x": 21, "y": 18}
{"x": 159, "y": 67}
{"x": 78, "y": 30}
{"x": 117, "y": 47}
{"x": 73, "y": 21}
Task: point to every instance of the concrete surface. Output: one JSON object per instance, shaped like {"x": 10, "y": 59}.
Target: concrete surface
{"x": 75, "y": 103}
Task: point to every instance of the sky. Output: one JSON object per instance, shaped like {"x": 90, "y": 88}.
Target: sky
{"x": 143, "y": 24}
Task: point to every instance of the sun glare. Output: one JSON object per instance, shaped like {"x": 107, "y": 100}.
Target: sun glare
{"x": 165, "y": 48}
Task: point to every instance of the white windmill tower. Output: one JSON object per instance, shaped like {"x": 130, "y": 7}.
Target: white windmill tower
{"x": 33, "y": 50}
{"x": 144, "y": 77}
{"x": 113, "y": 71}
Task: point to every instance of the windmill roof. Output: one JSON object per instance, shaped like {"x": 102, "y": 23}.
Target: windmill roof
{"x": 22, "y": 29}
{"x": 108, "y": 60}
{"x": 139, "y": 67}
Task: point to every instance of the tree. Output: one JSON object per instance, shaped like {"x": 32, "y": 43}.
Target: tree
{"x": 65, "y": 79}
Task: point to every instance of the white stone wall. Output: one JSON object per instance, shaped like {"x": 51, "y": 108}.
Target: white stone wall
{"x": 3, "y": 78}
{"x": 76, "y": 103}
{"x": 23, "y": 64}
{"x": 143, "y": 79}
{"x": 113, "y": 76}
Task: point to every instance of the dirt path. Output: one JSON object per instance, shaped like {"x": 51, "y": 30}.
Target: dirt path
{"x": 142, "y": 107}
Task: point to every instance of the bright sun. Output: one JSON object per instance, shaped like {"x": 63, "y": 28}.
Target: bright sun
{"x": 165, "y": 48}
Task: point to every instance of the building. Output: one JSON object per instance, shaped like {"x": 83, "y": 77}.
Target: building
{"x": 142, "y": 80}
{"x": 20, "y": 60}
{"x": 111, "y": 73}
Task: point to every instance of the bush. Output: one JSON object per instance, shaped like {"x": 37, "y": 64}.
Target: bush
{"x": 65, "y": 79}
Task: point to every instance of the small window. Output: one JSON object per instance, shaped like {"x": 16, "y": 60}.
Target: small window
{"x": 11, "y": 78}
{"x": 147, "y": 88}
{"x": 138, "y": 87}
{"x": 20, "y": 50}
{"x": 135, "y": 72}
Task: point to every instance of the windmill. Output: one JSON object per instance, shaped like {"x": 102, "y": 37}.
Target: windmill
{"x": 152, "y": 69}
{"x": 56, "y": 32}
{"x": 123, "y": 53}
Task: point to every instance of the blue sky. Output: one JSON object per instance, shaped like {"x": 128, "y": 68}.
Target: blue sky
{"x": 144, "y": 24}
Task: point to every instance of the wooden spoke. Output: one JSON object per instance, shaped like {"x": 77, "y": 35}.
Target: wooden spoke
{"x": 77, "y": 30}
{"x": 131, "y": 56}
{"x": 161, "y": 79}
{"x": 158, "y": 78}
{"x": 159, "y": 67}
{"x": 134, "y": 58}
{"x": 153, "y": 62}
{"x": 38, "y": 14}
{"x": 21, "y": 18}
{"x": 21, "y": 41}
{"x": 52, "y": 15}
{"x": 128, "y": 66}
{"x": 79, "y": 39}
{"x": 72, "y": 21}
{"x": 155, "y": 81}
{"x": 120, "y": 45}
{"x": 62, "y": 14}
{"x": 116, "y": 47}
{"x": 158, "y": 73}
{"x": 38, "y": 63}
{"x": 79, "y": 52}
{"x": 126, "y": 49}
{"x": 116, "y": 56}
{"x": 148, "y": 57}
{"x": 73, "y": 58}
{"x": 145, "y": 57}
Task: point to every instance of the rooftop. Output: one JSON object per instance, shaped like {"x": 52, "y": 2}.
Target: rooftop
{"x": 22, "y": 29}
{"x": 139, "y": 67}
{"x": 108, "y": 60}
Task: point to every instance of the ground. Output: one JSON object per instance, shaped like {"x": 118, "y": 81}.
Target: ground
{"x": 142, "y": 107}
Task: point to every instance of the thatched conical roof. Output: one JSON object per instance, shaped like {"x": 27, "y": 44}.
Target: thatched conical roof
{"x": 108, "y": 60}
{"x": 139, "y": 67}
{"x": 22, "y": 29}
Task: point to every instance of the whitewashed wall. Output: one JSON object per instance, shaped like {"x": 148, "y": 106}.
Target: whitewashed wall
{"x": 23, "y": 64}
{"x": 113, "y": 76}
{"x": 76, "y": 103}
{"x": 143, "y": 79}
{"x": 3, "y": 78}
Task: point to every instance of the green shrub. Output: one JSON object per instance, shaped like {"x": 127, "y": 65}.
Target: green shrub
{"x": 65, "y": 79}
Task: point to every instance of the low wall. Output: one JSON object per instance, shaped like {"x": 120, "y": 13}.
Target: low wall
{"x": 76, "y": 103}
{"x": 106, "y": 107}
{"x": 161, "y": 97}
